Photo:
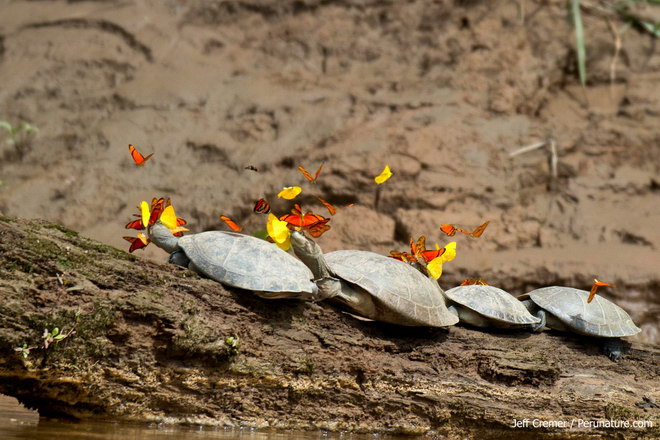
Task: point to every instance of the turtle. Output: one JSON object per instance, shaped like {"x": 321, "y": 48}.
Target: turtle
{"x": 566, "y": 309}
{"x": 488, "y": 306}
{"x": 374, "y": 286}
{"x": 238, "y": 260}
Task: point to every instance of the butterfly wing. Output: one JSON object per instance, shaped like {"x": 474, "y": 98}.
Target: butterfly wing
{"x": 157, "y": 209}
{"x": 331, "y": 209}
{"x": 135, "y": 224}
{"x": 138, "y": 158}
{"x": 480, "y": 230}
{"x": 448, "y": 229}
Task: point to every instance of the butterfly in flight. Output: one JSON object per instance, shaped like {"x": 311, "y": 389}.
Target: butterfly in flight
{"x": 451, "y": 230}
{"x": 252, "y": 168}
{"x": 231, "y": 223}
{"x": 138, "y": 158}
{"x": 331, "y": 209}
{"x": 308, "y": 176}
{"x": 262, "y": 207}
{"x": 595, "y": 287}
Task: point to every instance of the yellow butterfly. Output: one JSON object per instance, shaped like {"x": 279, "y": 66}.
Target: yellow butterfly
{"x": 382, "y": 177}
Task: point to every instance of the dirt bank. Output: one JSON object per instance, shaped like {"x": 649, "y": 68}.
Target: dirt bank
{"x": 151, "y": 344}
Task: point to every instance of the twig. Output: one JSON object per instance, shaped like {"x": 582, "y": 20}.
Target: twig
{"x": 528, "y": 148}
{"x": 552, "y": 151}
{"x": 615, "y": 56}
{"x": 553, "y": 157}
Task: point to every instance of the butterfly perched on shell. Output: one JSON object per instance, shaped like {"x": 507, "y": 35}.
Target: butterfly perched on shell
{"x": 594, "y": 288}
{"x": 138, "y": 158}
{"x": 473, "y": 281}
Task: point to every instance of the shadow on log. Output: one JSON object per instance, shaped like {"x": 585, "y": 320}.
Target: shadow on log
{"x": 158, "y": 343}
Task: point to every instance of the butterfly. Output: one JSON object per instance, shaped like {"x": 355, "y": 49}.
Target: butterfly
{"x": 419, "y": 250}
{"x": 473, "y": 281}
{"x": 231, "y": 223}
{"x": 384, "y": 175}
{"x": 149, "y": 215}
{"x": 252, "y": 168}
{"x": 451, "y": 230}
{"x": 314, "y": 223}
{"x": 289, "y": 192}
{"x": 309, "y": 176}
{"x": 139, "y": 242}
{"x": 331, "y": 209}
{"x": 403, "y": 256}
{"x": 137, "y": 157}
{"x": 262, "y": 207}
{"x": 595, "y": 287}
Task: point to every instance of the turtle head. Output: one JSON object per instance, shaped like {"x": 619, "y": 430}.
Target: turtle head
{"x": 161, "y": 236}
{"x": 311, "y": 254}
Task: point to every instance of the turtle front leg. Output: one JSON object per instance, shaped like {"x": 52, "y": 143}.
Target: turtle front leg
{"x": 179, "y": 258}
{"x": 536, "y": 311}
{"x": 614, "y": 348}
{"x": 541, "y": 325}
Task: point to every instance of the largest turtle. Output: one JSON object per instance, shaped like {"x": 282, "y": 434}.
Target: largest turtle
{"x": 238, "y": 260}
{"x": 374, "y": 286}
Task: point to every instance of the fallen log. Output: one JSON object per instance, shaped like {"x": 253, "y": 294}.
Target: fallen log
{"x": 147, "y": 342}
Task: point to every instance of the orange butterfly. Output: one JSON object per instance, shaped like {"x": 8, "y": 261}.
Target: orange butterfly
{"x": 296, "y": 218}
{"x": 231, "y": 223}
{"x": 157, "y": 207}
{"x": 331, "y": 209}
{"x": 595, "y": 287}
{"x": 309, "y": 176}
{"x": 139, "y": 242}
{"x": 314, "y": 223}
{"x": 419, "y": 250}
{"x": 135, "y": 224}
{"x": 472, "y": 281}
{"x": 137, "y": 157}
{"x": 252, "y": 168}
{"x": 451, "y": 230}
{"x": 262, "y": 206}
{"x": 318, "y": 229}
{"x": 403, "y": 256}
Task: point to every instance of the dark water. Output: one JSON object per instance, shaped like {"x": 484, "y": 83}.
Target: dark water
{"x": 18, "y": 423}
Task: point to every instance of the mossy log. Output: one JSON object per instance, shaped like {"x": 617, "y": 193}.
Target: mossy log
{"x": 158, "y": 343}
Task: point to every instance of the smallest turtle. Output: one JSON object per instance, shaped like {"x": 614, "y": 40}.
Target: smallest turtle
{"x": 566, "y": 308}
{"x": 488, "y": 306}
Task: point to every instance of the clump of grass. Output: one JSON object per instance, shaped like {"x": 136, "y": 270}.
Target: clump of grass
{"x": 629, "y": 11}
{"x": 20, "y": 136}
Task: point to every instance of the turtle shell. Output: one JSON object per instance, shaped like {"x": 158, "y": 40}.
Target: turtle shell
{"x": 600, "y": 317}
{"x": 404, "y": 294}
{"x": 493, "y": 303}
{"x": 246, "y": 262}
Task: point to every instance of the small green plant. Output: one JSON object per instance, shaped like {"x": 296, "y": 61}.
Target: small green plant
{"x": 20, "y": 137}
{"x": 47, "y": 339}
{"x": 233, "y": 345}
